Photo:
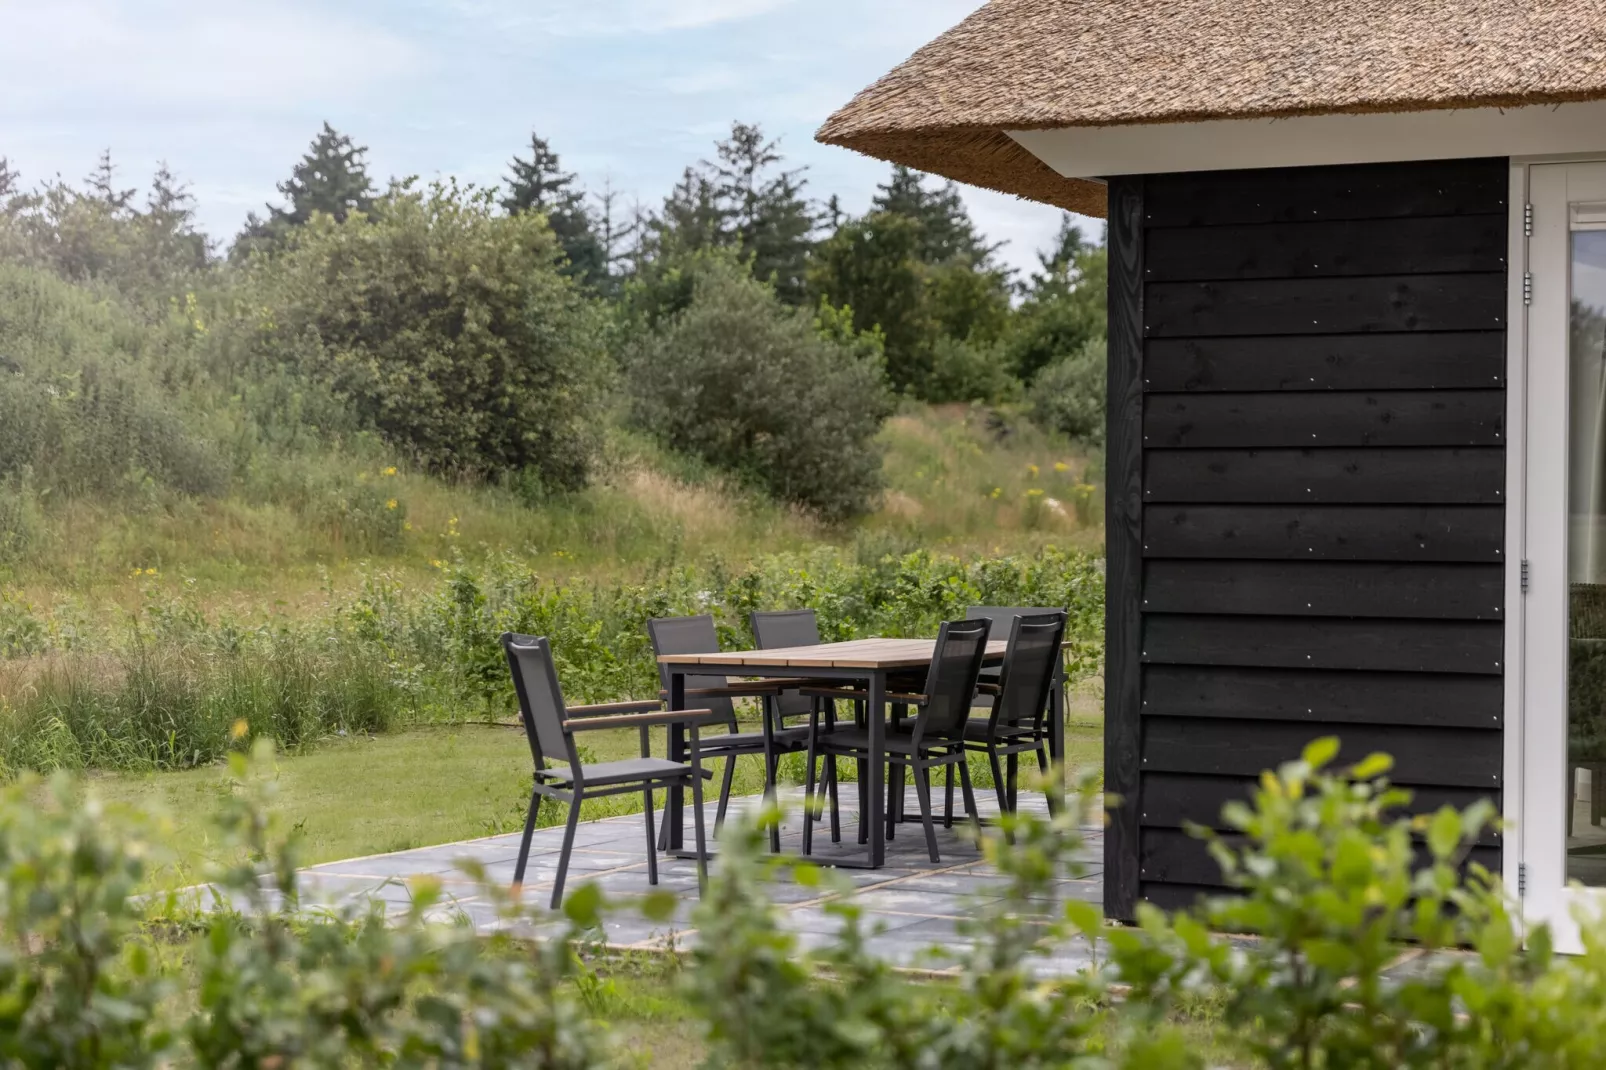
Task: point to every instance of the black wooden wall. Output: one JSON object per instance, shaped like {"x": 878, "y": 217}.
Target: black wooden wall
{"x": 1306, "y": 471}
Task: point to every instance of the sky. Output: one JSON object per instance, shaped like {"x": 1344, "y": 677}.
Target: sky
{"x": 230, "y": 93}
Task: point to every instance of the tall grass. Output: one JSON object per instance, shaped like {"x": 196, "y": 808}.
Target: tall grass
{"x": 167, "y": 690}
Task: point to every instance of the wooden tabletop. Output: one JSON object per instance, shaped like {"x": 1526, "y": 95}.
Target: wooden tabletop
{"x": 854, "y": 654}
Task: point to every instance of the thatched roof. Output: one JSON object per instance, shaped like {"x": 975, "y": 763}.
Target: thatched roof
{"x": 1039, "y": 64}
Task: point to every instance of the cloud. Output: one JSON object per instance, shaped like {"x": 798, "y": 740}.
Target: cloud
{"x": 609, "y": 18}
{"x": 107, "y": 55}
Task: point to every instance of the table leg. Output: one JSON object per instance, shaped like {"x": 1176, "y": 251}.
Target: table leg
{"x": 875, "y": 792}
{"x": 675, "y": 804}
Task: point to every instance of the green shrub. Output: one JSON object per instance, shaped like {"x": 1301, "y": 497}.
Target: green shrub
{"x": 80, "y": 409}
{"x": 755, "y": 388}
{"x": 445, "y": 325}
{"x": 1070, "y": 396}
{"x": 965, "y": 371}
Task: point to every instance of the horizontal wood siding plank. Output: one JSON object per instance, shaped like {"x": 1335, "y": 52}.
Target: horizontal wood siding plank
{"x": 1420, "y": 475}
{"x": 1177, "y": 800}
{"x": 1326, "y": 532}
{"x": 1326, "y": 306}
{"x": 1327, "y": 248}
{"x": 1328, "y": 418}
{"x": 1175, "y": 857}
{"x": 1415, "y": 360}
{"x": 1325, "y": 589}
{"x": 1455, "y": 646}
{"x": 1177, "y": 897}
{"x": 1360, "y": 191}
{"x": 1324, "y": 697}
{"x": 1442, "y": 757}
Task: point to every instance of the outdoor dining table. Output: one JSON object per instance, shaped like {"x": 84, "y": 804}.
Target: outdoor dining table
{"x": 869, "y": 662}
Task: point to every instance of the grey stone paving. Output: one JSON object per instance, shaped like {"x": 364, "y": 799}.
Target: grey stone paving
{"x": 911, "y": 904}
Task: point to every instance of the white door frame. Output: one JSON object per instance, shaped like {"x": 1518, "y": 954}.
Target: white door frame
{"x": 1536, "y": 792}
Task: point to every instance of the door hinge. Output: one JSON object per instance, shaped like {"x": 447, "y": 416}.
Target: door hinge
{"x": 1524, "y": 575}
{"x": 1527, "y": 220}
{"x": 1527, "y": 288}
{"x": 1522, "y": 879}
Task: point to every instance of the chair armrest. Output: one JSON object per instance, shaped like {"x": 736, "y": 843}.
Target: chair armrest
{"x": 861, "y": 695}
{"x": 988, "y": 689}
{"x": 634, "y": 720}
{"x": 627, "y": 706}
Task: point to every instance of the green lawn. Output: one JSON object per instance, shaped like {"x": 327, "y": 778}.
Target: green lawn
{"x": 352, "y": 797}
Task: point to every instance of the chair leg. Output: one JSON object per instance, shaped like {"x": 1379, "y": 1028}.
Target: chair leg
{"x": 999, "y": 785}
{"x": 1042, "y": 763}
{"x": 1014, "y": 782}
{"x": 772, "y": 773}
{"x": 568, "y": 845}
{"x": 725, "y": 792}
{"x": 836, "y": 808}
{"x": 697, "y": 820}
{"x": 894, "y": 798}
{"x": 808, "y": 799}
{"x": 524, "y": 843}
{"x": 948, "y": 797}
{"x": 652, "y": 840}
{"x": 864, "y": 800}
{"x": 967, "y": 792}
{"x": 922, "y": 776}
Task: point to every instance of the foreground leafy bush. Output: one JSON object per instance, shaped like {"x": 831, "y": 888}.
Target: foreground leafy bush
{"x": 1336, "y": 886}
{"x": 754, "y": 387}
{"x": 1069, "y": 395}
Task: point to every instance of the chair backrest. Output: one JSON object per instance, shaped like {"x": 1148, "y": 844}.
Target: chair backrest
{"x": 777, "y": 629}
{"x": 541, "y": 707}
{"x": 691, "y": 635}
{"x": 1030, "y": 665}
{"x": 951, "y": 682}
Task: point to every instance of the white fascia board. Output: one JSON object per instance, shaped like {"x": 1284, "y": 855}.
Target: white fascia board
{"x": 1316, "y": 140}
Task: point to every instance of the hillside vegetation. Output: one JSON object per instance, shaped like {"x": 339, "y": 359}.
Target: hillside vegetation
{"x": 305, "y": 486}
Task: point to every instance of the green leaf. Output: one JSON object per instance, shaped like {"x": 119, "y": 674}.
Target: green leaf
{"x": 584, "y": 905}
{"x": 1085, "y": 916}
{"x": 1318, "y": 752}
{"x": 1444, "y": 832}
{"x": 659, "y": 905}
{"x": 1373, "y": 765}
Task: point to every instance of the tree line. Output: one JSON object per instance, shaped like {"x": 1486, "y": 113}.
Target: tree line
{"x": 491, "y": 332}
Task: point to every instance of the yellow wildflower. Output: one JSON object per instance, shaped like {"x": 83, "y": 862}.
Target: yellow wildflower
{"x": 150, "y": 572}
{"x": 391, "y": 470}
{"x": 1061, "y": 466}
{"x": 997, "y": 492}
{"x": 438, "y": 563}
{"x": 407, "y": 525}
{"x": 391, "y": 504}
{"x": 1035, "y": 492}
{"x": 1032, "y": 470}
{"x": 239, "y": 729}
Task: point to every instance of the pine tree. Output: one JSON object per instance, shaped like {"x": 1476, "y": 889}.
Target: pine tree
{"x": 741, "y": 200}
{"x": 102, "y": 184}
{"x": 540, "y": 184}
{"x": 169, "y": 224}
{"x": 618, "y": 232}
{"x": 946, "y": 229}
{"x": 10, "y": 179}
{"x": 331, "y": 178}
{"x": 765, "y": 213}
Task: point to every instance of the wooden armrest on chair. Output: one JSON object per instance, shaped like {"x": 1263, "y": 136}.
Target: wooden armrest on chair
{"x": 634, "y": 720}
{"x": 640, "y": 705}
{"x": 988, "y": 689}
{"x": 850, "y": 695}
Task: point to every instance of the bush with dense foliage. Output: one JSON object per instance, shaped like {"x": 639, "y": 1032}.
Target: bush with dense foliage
{"x": 759, "y": 389}
{"x": 446, "y": 325}
{"x": 1069, "y": 396}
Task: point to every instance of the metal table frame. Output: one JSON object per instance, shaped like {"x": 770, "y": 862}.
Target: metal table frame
{"x": 874, "y": 679}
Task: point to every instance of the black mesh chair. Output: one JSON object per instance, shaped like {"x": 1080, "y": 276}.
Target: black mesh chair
{"x": 935, "y": 738}
{"x": 697, "y": 635}
{"x": 1017, "y": 722}
{"x": 551, "y": 726}
{"x": 781, "y": 629}
{"x": 1003, "y": 619}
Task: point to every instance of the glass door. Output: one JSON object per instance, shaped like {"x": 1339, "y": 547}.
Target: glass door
{"x": 1563, "y": 816}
